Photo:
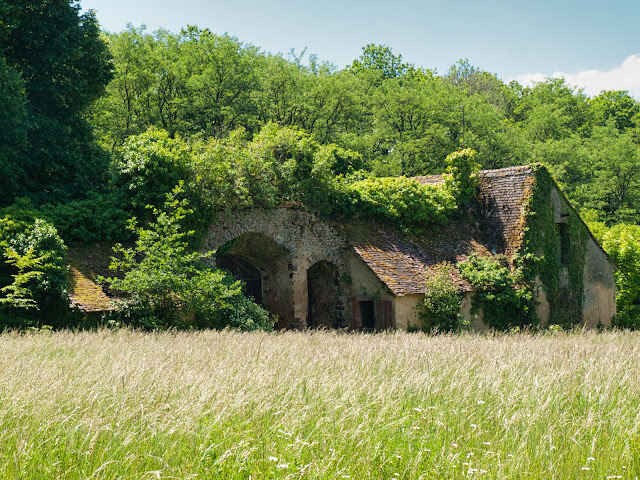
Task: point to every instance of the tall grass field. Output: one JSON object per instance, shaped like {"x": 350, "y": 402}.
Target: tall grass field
{"x": 322, "y": 405}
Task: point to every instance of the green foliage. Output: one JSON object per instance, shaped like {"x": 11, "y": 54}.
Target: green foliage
{"x": 400, "y": 119}
{"x": 169, "y": 286}
{"x": 13, "y": 134}
{"x": 194, "y": 82}
{"x": 380, "y": 60}
{"x": 33, "y": 273}
{"x": 501, "y": 292}
{"x": 403, "y": 201}
{"x": 460, "y": 177}
{"x": 17, "y": 294}
{"x": 615, "y": 106}
{"x": 280, "y": 164}
{"x": 440, "y": 307}
{"x": 41, "y": 239}
{"x": 149, "y": 165}
{"x": 63, "y": 67}
{"x": 99, "y": 217}
{"x": 614, "y": 173}
{"x": 622, "y": 243}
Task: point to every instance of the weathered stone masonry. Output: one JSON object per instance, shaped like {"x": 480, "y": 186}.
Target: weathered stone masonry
{"x": 293, "y": 250}
{"x": 360, "y": 275}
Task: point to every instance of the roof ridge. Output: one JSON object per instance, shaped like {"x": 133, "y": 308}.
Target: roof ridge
{"x": 495, "y": 172}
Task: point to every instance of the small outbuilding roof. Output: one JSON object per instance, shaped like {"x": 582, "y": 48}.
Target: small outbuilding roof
{"x": 86, "y": 264}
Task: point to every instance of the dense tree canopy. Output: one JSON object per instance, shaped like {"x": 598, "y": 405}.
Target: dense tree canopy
{"x": 402, "y": 120}
{"x": 53, "y": 66}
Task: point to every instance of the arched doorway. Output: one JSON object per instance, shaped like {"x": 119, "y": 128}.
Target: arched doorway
{"x": 263, "y": 266}
{"x": 323, "y": 292}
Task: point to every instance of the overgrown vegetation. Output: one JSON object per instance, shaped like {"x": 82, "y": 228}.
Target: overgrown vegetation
{"x": 501, "y": 292}
{"x": 169, "y": 286}
{"x": 33, "y": 271}
{"x": 460, "y": 177}
{"x": 440, "y": 307}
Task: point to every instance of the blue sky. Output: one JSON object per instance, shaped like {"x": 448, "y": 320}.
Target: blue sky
{"x": 594, "y": 44}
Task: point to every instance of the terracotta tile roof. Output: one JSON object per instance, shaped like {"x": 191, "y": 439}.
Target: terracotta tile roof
{"x": 503, "y": 196}
{"x": 492, "y": 224}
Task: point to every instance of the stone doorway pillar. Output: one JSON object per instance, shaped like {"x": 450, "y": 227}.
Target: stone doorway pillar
{"x": 300, "y": 297}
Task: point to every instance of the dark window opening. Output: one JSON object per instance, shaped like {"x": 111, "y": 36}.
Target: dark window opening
{"x": 368, "y": 316}
{"x": 565, "y": 244}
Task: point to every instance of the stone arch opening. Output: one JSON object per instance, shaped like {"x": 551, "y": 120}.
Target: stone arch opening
{"x": 243, "y": 270}
{"x": 323, "y": 296}
{"x": 264, "y": 266}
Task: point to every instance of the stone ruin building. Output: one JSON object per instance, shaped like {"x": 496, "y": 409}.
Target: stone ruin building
{"x": 357, "y": 275}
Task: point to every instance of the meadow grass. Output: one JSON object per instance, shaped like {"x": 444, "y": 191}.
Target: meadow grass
{"x": 126, "y": 404}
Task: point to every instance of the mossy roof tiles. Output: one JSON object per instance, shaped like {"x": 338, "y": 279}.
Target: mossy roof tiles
{"x": 86, "y": 264}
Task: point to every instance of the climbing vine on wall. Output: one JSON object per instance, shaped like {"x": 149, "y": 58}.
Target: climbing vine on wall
{"x": 544, "y": 243}
{"x": 502, "y": 292}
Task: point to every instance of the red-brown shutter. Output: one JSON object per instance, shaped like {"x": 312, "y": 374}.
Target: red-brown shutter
{"x": 382, "y": 314}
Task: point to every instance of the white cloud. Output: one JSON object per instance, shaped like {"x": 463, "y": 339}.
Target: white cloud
{"x": 624, "y": 77}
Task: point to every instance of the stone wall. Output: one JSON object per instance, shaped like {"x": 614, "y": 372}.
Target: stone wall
{"x": 284, "y": 243}
{"x": 599, "y": 289}
{"x": 599, "y": 302}
{"x": 311, "y": 276}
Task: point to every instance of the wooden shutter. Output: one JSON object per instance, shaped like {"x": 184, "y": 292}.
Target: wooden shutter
{"x": 382, "y": 314}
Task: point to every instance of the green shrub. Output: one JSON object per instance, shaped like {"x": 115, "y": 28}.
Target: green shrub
{"x": 501, "y": 292}
{"x": 149, "y": 165}
{"x": 460, "y": 177}
{"x": 440, "y": 307}
{"x": 33, "y": 278}
{"x": 403, "y": 201}
{"x": 167, "y": 284}
{"x": 622, "y": 243}
{"x": 99, "y": 217}
{"x": 279, "y": 164}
